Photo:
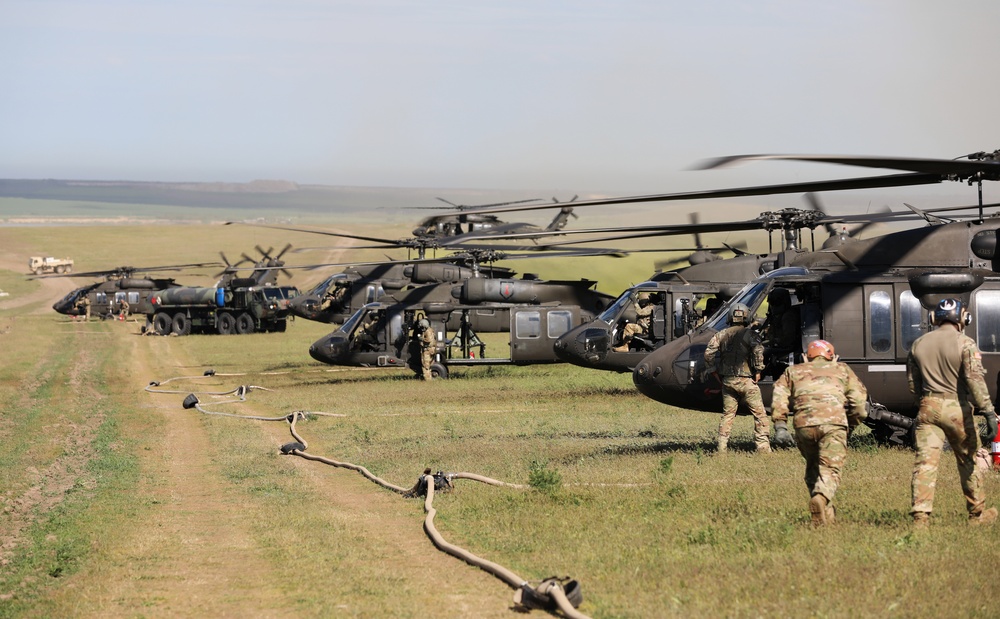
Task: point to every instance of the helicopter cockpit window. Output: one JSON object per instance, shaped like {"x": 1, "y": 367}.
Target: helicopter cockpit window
{"x": 326, "y": 284}
{"x": 560, "y": 321}
{"x": 351, "y": 323}
{"x": 749, "y": 296}
{"x": 624, "y": 301}
{"x": 528, "y": 325}
{"x": 910, "y": 315}
{"x": 880, "y": 320}
{"x": 987, "y": 320}
{"x": 373, "y": 293}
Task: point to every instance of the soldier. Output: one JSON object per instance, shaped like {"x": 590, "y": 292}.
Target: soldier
{"x": 86, "y": 306}
{"x": 643, "y": 316}
{"x": 124, "y": 310}
{"x": 945, "y": 370}
{"x": 735, "y": 357}
{"x": 428, "y": 346}
{"x": 828, "y": 401}
{"x": 782, "y": 323}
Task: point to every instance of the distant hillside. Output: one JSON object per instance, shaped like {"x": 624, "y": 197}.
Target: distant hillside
{"x": 284, "y": 196}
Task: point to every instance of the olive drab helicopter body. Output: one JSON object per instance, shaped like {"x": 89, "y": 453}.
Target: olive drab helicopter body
{"x": 870, "y": 298}
{"x": 454, "y": 225}
{"x": 383, "y": 335}
{"x": 120, "y": 284}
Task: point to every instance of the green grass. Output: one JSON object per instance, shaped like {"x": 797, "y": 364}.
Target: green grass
{"x": 623, "y": 493}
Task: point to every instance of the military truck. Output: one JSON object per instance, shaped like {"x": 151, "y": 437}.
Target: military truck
{"x": 40, "y": 265}
{"x": 239, "y": 307}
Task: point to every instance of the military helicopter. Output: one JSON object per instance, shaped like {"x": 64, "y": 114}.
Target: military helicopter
{"x": 870, "y": 298}
{"x": 119, "y": 284}
{"x": 451, "y": 225}
{"x": 382, "y": 335}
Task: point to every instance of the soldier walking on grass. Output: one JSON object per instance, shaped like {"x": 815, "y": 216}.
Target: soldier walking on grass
{"x": 827, "y": 400}
{"x": 735, "y": 357}
{"x": 428, "y": 346}
{"x": 945, "y": 370}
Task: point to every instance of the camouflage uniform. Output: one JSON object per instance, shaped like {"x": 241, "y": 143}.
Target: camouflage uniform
{"x": 643, "y": 318}
{"x": 827, "y": 399}
{"x": 428, "y": 346}
{"x": 737, "y": 356}
{"x": 945, "y": 370}
{"x": 86, "y": 306}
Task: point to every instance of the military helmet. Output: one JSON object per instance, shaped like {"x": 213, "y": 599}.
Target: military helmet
{"x": 779, "y": 297}
{"x": 423, "y": 323}
{"x": 951, "y": 310}
{"x": 819, "y": 348}
{"x": 739, "y": 314}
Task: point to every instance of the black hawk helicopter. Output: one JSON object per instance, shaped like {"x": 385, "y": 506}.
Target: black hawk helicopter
{"x": 870, "y": 298}
{"x": 119, "y": 284}
{"x": 457, "y": 224}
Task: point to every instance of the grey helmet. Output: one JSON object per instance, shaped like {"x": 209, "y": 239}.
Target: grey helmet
{"x": 423, "y": 323}
{"x": 739, "y": 314}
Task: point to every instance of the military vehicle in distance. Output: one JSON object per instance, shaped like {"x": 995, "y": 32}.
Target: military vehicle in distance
{"x": 240, "y": 307}
{"x": 39, "y": 265}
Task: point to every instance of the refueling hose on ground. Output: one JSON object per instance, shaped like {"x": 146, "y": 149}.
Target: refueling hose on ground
{"x": 552, "y": 594}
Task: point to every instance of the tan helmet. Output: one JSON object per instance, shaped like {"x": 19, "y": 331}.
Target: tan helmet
{"x": 820, "y": 348}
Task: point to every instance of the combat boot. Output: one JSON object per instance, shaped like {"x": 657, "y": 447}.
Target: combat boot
{"x": 622, "y": 348}
{"x": 831, "y": 514}
{"x": 817, "y": 509}
{"x": 722, "y": 445}
{"x": 987, "y": 517}
{"x": 921, "y": 520}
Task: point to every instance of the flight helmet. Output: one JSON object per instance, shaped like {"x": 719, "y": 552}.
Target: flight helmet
{"x": 953, "y": 311}
{"x": 423, "y": 323}
{"x": 819, "y": 348}
{"x": 739, "y": 314}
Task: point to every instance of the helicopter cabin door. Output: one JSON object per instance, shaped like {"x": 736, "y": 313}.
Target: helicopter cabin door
{"x": 535, "y": 328}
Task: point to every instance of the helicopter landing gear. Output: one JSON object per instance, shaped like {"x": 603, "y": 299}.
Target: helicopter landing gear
{"x": 439, "y": 370}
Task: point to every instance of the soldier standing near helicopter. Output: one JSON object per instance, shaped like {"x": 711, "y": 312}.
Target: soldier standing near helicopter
{"x": 828, "y": 400}
{"x": 735, "y": 357}
{"x": 945, "y": 370}
{"x": 428, "y": 345}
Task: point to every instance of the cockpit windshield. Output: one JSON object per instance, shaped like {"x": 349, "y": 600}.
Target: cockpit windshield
{"x": 752, "y": 295}
{"x": 351, "y": 323}
{"x": 625, "y": 300}
{"x": 327, "y": 283}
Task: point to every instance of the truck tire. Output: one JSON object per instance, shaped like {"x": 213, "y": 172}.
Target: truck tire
{"x": 181, "y": 324}
{"x": 163, "y": 323}
{"x": 245, "y": 324}
{"x": 60, "y": 269}
{"x": 439, "y": 370}
{"x": 279, "y": 326}
{"x": 226, "y": 324}
{"x": 37, "y": 271}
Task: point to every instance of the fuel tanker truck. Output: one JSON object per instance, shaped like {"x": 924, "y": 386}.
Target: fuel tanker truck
{"x": 240, "y": 307}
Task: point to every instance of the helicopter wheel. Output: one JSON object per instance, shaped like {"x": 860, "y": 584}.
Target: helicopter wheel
{"x": 244, "y": 324}
{"x": 439, "y": 370}
{"x": 181, "y": 324}
{"x": 163, "y": 323}
{"x": 226, "y": 324}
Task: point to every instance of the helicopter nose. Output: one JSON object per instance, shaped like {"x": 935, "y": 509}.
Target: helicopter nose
{"x": 304, "y": 306}
{"x": 329, "y": 349}
{"x": 583, "y": 345}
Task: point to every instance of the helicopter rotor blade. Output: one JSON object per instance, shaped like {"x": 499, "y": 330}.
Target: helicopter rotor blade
{"x": 981, "y": 165}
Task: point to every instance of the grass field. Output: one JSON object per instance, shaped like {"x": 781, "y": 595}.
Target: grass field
{"x": 118, "y": 502}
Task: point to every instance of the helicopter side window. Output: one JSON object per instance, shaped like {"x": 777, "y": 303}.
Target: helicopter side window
{"x": 880, "y": 320}
{"x": 372, "y": 295}
{"x": 528, "y": 325}
{"x": 101, "y": 298}
{"x": 910, "y": 316}
{"x": 987, "y": 320}
{"x": 560, "y": 321}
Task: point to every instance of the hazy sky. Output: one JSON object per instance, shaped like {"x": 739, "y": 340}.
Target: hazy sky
{"x": 615, "y": 96}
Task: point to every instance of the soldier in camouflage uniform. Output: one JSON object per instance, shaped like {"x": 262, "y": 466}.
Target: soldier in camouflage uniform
{"x": 945, "y": 370}
{"x": 643, "y": 317}
{"x": 827, "y": 399}
{"x": 735, "y": 357}
{"x": 428, "y": 346}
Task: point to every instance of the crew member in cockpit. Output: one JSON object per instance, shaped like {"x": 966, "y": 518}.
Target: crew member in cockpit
{"x": 643, "y": 316}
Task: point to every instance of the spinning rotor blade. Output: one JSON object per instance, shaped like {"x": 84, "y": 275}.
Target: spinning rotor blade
{"x": 125, "y": 271}
{"x": 981, "y": 165}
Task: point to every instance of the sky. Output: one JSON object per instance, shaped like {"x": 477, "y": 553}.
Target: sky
{"x": 598, "y": 97}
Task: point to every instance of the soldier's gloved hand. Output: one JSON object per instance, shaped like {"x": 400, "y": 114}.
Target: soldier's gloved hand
{"x": 990, "y": 431}
{"x": 781, "y": 436}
